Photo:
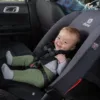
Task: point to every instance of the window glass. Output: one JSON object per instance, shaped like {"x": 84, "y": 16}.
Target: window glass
{"x": 12, "y": 0}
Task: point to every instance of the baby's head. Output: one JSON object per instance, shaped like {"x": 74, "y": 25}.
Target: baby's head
{"x": 67, "y": 39}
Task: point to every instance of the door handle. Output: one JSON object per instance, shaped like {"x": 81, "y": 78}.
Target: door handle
{"x": 11, "y": 9}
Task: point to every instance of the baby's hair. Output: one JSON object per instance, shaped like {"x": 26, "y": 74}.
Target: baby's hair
{"x": 73, "y": 31}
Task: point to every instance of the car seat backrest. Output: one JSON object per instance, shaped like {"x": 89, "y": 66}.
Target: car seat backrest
{"x": 4, "y": 95}
{"x": 48, "y": 13}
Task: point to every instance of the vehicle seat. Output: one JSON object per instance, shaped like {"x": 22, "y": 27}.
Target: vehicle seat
{"x": 48, "y": 12}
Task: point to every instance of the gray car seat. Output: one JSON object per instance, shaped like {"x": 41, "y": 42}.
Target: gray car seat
{"x": 89, "y": 28}
{"x": 88, "y": 24}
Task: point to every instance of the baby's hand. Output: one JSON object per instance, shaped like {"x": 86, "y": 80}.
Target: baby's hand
{"x": 61, "y": 57}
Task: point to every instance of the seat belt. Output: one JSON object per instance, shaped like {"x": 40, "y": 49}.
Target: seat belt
{"x": 46, "y": 80}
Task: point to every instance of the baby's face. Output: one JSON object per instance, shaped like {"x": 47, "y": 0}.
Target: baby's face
{"x": 65, "y": 41}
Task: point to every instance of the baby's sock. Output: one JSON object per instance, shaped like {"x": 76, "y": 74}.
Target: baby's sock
{"x": 9, "y": 57}
{"x": 7, "y": 72}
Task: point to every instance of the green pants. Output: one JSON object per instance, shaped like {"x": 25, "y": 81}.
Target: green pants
{"x": 31, "y": 75}
{"x": 25, "y": 60}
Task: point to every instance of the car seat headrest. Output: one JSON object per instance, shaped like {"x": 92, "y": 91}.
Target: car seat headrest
{"x": 86, "y": 22}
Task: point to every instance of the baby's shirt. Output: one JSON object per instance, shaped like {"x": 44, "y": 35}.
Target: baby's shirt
{"x": 61, "y": 66}
{"x": 52, "y": 66}
{"x": 56, "y": 67}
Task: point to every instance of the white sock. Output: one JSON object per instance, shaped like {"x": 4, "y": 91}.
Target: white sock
{"x": 9, "y": 57}
{"x": 7, "y": 72}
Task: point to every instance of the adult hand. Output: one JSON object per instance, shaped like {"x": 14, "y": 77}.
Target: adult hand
{"x": 89, "y": 5}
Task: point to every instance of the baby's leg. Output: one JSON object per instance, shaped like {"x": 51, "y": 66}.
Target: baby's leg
{"x": 25, "y": 60}
{"x": 9, "y": 57}
{"x": 31, "y": 76}
{"x": 7, "y": 72}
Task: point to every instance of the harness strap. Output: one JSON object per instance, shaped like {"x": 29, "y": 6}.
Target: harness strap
{"x": 40, "y": 67}
{"x": 46, "y": 80}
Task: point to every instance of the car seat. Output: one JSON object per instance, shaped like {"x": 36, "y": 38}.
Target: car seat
{"x": 48, "y": 12}
{"x": 89, "y": 27}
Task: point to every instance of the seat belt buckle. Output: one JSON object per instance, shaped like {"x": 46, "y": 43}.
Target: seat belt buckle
{"x": 31, "y": 65}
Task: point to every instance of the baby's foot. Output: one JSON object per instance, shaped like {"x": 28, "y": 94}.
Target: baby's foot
{"x": 7, "y": 72}
{"x": 9, "y": 57}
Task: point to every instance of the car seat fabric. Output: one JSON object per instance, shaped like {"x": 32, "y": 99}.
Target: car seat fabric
{"x": 21, "y": 90}
{"x": 89, "y": 27}
{"x": 84, "y": 91}
{"x": 48, "y": 13}
{"x": 93, "y": 74}
{"x": 4, "y": 95}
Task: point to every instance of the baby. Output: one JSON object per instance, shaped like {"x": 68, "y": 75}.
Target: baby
{"x": 66, "y": 40}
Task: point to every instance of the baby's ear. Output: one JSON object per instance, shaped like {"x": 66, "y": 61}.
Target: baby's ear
{"x": 73, "y": 47}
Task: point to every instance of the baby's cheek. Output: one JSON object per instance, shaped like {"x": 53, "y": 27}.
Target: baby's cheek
{"x": 66, "y": 48}
{"x": 55, "y": 42}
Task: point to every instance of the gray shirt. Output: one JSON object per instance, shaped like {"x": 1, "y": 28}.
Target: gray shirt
{"x": 56, "y": 67}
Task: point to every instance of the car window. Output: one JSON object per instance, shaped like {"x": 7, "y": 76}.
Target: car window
{"x": 12, "y": 1}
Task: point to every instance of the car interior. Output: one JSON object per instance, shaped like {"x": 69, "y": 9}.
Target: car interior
{"x": 27, "y": 26}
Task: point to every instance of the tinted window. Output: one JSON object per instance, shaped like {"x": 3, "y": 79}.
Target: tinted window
{"x": 12, "y": 0}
